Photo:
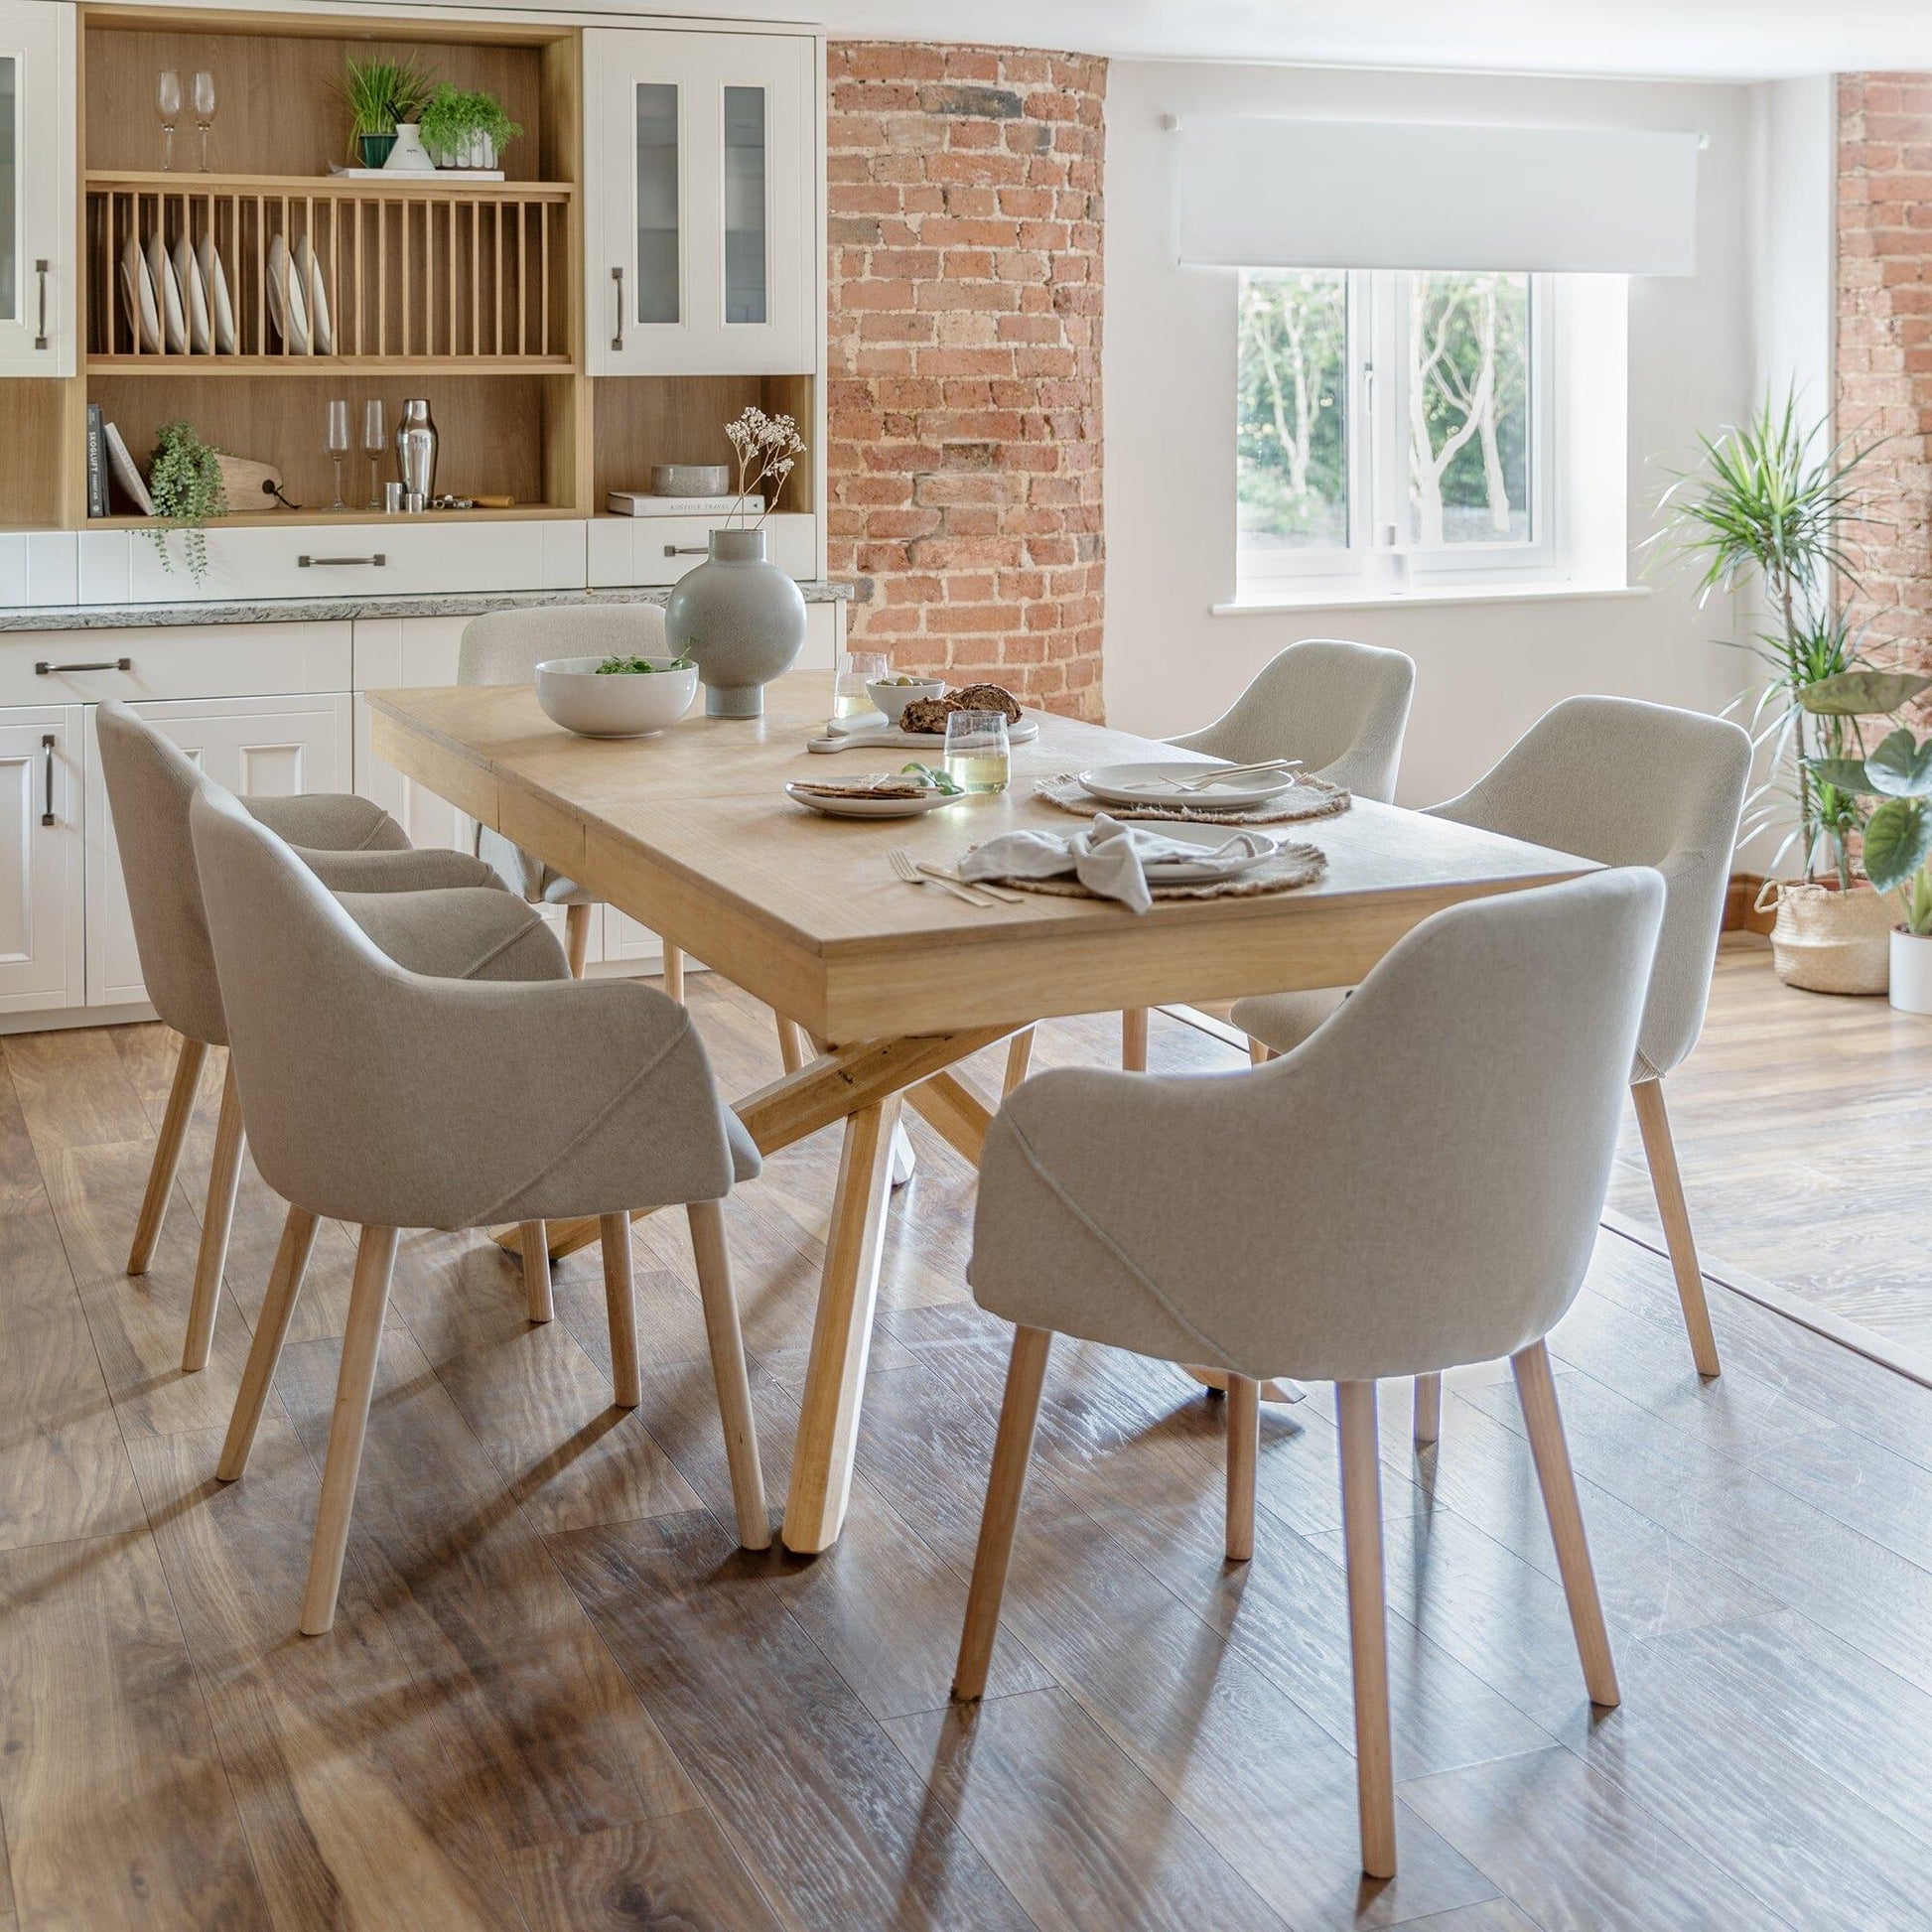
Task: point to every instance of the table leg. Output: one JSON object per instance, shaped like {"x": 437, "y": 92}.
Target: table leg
{"x": 835, "y": 1375}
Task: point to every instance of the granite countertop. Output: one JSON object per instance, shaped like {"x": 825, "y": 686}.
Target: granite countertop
{"x": 335, "y": 610}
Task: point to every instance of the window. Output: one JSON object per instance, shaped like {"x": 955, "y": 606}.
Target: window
{"x": 1392, "y": 428}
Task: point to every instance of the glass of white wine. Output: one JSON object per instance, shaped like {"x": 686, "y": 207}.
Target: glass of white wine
{"x": 857, "y": 670}
{"x": 977, "y": 757}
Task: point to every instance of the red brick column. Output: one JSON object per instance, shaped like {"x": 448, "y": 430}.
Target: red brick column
{"x": 964, "y": 405}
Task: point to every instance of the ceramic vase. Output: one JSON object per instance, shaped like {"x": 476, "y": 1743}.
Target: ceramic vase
{"x": 1911, "y": 971}
{"x": 740, "y": 618}
{"x": 409, "y": 156}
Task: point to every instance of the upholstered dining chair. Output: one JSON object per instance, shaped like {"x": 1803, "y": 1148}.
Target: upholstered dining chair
{"x": 1342, "y": 708}
{"x": 392, "y": 1099}
{"x": 1625, "y": 783}
{"x": 1415, "y": 1186}
{"x": 354, "y": 846}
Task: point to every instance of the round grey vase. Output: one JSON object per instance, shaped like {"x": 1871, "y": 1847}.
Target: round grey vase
{"x": 740, "y": 618}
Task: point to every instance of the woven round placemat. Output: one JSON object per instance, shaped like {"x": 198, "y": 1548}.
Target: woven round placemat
{"x": 1309, "y": 798}
{"x": 1291, "y": 866}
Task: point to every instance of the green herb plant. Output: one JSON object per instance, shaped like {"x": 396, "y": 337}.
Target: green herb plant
{"x": 935, "y": 780}
{"x": 379, "y": 93}
{"x": 633, "y": 666}
{"x": 451, "y": 118}
{"x": 185, "y": 480}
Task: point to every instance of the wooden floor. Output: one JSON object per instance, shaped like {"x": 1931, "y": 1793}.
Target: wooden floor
{"x": 1803, "y": 1123}
{"x": 556, "y": 1694}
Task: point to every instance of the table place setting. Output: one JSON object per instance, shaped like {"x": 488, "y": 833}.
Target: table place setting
{"x": 879, "y": 794}
{"x": 1177, "y": 791}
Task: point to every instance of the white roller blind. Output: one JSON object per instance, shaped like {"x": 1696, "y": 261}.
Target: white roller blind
{"x": 1314, "y": 194}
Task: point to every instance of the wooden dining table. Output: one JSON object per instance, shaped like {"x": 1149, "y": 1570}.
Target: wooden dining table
{"x": 691, "y": 833}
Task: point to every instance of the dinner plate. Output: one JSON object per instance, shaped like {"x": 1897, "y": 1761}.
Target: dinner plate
{"x": 138, "y": 300}
{"x": 215, "y": 281}
{"x": 176, "y": 316}
{"x": 914, "y": 807}
{"x": 308, "y": 273}
{"x": 286, "y": 307}
{"x": 1158, "y": 783}
{"x": 187, "y": 274}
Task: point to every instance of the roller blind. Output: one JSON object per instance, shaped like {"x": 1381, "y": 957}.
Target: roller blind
{"x": 1315, "y": 193}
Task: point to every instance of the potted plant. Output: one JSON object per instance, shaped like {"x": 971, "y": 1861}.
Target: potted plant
{"x": 379, "y": 94}
{"x": 465, "y": 130}
{"x": 185, "y": 483}
{"x": 1770, "y": 501}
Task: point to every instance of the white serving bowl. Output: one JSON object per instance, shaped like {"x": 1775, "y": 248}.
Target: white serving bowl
{"x": 621, "y": 704}
{"x": 892, "y": 699}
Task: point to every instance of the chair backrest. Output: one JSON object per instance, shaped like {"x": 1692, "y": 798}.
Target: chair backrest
{"x": 1340, "y": 707}
{"x": 506, "y": 646}
{"x": 1628, "y": 784}
{"x": 151, "y": 783}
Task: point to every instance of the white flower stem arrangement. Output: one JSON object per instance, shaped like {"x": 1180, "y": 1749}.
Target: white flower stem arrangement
{"x": 766, "y": 447}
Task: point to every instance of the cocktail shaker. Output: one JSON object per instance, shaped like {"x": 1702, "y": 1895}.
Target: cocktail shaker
{"x": 416, "y": 449}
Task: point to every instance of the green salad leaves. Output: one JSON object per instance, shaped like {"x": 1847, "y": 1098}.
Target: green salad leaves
{"x": 633, "y": 666}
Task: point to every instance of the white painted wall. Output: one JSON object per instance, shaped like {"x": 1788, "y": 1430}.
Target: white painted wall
{"x": 1485, "y": 670}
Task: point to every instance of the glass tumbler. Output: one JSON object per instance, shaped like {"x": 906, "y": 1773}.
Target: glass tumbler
{"x": 977, "y": 757}
{"x": 857, "y": 670}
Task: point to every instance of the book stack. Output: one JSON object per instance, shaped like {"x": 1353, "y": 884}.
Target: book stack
{"x": 111, "y": 470}
{"x": 640, "y": 502}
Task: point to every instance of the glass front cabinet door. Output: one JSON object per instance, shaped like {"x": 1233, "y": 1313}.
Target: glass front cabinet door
{"x": 702, "y": 203}
{"x": 37, "y": 223}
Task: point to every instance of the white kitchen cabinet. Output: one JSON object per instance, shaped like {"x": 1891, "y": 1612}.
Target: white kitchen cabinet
{"x": 626, "y": 550}
{"x": 701, "y": 204}
{"x": 38, "y": 272}
{"x": 257, "y": 747}
{"x": 42, "y": 863}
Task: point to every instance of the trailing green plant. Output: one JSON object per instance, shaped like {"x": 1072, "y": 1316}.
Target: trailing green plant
{"x": 1897, "y": 773}
{"x": 1771, "y": 499}
{"x": 451, "y": 118}
{"x": 185, "y": 482}
{"x": 379, "y": 93}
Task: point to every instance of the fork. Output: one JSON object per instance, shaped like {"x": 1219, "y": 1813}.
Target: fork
{"x": 908, "y": 868}
{"x": 1221, "y": 772}
{"x": 946, "y": 877}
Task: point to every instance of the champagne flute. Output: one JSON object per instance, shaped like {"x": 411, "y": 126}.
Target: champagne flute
{"x": 375, "y": 445}
{"x": 337, "y": 445}
{"x": 204, "y": 109}
{"x": 167, "y": 104}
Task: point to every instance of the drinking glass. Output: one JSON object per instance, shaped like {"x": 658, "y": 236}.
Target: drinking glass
{"x": 857, "y": 670}
{"x": 204, "y": 109}
{"x": 375, "y": 445}
{"x": 167, "y": 104}
{"x": 978, "y": 757}
{"x": 337, "y": 445}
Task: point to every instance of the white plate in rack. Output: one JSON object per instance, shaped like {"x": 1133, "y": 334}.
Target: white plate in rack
{"x": 188, "y": 275}
{"x": 308, "y": 273}
{"x": 175, "y": 316}
{"x": 286, "y": 307}
{"x": 138, "y": 300}
{"x": 215, "y": 283}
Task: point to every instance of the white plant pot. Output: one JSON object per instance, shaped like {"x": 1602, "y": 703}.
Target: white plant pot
{"x": 408, "y": 156}
{"x": 473, "y": 151}
{"x": 1911, "y": 971}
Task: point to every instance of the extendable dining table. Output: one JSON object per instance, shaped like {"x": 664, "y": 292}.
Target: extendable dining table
{"x": 690, "y": 832}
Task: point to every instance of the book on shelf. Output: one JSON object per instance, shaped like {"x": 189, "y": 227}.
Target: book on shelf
{"x": 126, "y": 477}
{"x": 96, "y": 462}
{"x": 640, "y": 502}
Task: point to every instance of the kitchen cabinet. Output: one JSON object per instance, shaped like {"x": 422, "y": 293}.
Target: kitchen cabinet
{"x": 42, "y": 863}
{"x": 39, "y": 293}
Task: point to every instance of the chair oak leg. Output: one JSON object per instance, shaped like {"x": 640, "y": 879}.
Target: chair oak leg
{"x": 726, "y": 1342}
{"x": 674, "y": 972}
{"x": 1428, "y": 1408}
{"x": 1368, "y": 1636}
{"x": 1133, "y": 1040}
{"x": 620, "y": 1303}
{"x": 1537, "y": 1390}
{"x": 369, "y": 1303}
{"x": 793, "y": 1047}
{"x": 271, "y": 1331}
{"x": 1244, "y": 1449}
{"x": 1020, "y": 1056}
{"x": 167, "y": 1152}
{"x": 1012, "y": 1450}
{"x": 217, "y": 1219}
{"x": 577, "y": 937}
{"x": 1661, "y": 1154}
{"x": 535, "y": 1240}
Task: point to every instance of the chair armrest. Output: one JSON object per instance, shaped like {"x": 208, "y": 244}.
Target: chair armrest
{"x": 419, "y": 868}
{"x": 329, "y": 821}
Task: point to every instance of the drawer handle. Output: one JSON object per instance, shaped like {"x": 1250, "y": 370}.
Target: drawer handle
{"x": 339, "y": 563}
{"x": 687, "y": 550}
{"x": 42, "y": 669}
{"x": 616, "y": 276}
{"x": 47, "y": 751}
{"x": 40, "y": 269}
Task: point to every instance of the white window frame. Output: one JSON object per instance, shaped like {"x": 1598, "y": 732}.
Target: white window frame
{"x": 1377, "y": 463}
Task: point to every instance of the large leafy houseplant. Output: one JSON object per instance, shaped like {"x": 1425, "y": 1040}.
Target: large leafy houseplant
{"x": 185, "y": 483}
{"x": 1771, "y": 501}
{"x": 1897, "y": 773}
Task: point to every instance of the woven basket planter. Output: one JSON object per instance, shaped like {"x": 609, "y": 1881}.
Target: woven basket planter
{"x": 1829, "y": 941}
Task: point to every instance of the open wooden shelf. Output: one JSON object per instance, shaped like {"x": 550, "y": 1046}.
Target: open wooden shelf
{"x": 399, "y": 187}
{"x": 170, "y": 365}
{"x": 301, "y": 519}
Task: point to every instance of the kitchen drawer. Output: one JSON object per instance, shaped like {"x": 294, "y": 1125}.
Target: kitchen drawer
{"x": 217, "y": 660}
{"x": 660, "y": 549}
{"x": 418, "y": 556}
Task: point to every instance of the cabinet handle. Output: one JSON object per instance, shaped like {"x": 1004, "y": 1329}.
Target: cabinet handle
{"x": 42, "y": 669}
{"x": 47, "y": 751}
{"x": 40, "y": 269}
{"x": 617, "y": 275}
{"x": 335, "y": 563}
{"x": 687, "y": 550}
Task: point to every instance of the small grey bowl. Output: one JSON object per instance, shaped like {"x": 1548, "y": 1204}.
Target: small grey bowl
{"x": 690, "y": 479}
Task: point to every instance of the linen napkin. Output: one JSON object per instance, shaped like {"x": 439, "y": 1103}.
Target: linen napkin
{"x": 1108, "y": 857}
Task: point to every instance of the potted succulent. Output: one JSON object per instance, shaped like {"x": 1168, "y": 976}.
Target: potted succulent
{"x": 1771, "y": 502}
{"x": 185, "y": 481}
{"x": 464, "y": 130}
{"x": 379, "y": 94}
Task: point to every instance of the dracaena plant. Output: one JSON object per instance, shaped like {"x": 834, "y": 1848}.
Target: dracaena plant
{"x": 1897, "y": 772}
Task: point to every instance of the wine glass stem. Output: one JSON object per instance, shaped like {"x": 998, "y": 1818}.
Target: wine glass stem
{"x": 338, "y": 504}
{"x": 204, "y": 147}
{"x": 166, "y": 149}
{"x": 375, "y": 485}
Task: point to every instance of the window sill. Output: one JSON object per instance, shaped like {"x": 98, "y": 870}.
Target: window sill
{"x": 1260, "y": 605}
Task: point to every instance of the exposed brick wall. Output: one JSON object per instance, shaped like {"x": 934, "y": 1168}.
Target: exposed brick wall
{"x": 964, "y": 406}
{"x": 1884, "y": 343}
